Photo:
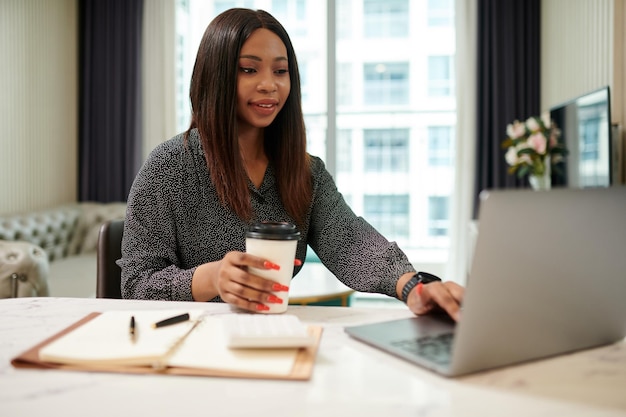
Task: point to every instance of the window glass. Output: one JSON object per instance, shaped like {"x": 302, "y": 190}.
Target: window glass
{"x": 439, "y": 76}
{"x": 386, "y": 83}
{"x": 438, "y": 219}
{"x": 440, "y": 13}
{"x": 386, "y": 150}
{"x": 389, "y": 18}
{"x": 392, "y": 104}
{"x": 440, "y": 145}
{"x": 389, "y": 214}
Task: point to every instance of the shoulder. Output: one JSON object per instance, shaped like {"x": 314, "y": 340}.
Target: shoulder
{"x": 170, "y": 161}
{"x": 176, "y": 147}
{"x": 317, "y": 166}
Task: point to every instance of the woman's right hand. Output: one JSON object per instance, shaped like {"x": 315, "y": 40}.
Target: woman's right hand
{"x": 229, "y": 278}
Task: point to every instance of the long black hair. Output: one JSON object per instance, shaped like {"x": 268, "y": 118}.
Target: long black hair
{"x": 213, "y": 95}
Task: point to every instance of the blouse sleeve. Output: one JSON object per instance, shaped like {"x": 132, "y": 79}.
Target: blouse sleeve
{"x": 349, "y": 246}
{"x": 149, "y": 250}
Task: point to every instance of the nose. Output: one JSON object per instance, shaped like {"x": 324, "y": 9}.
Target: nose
{"x": 267, "y": 83}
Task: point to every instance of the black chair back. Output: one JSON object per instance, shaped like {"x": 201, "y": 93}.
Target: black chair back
{"x": 109, "y": 276}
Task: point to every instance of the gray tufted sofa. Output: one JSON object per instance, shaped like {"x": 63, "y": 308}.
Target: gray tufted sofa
{"x": 53, "y": 251}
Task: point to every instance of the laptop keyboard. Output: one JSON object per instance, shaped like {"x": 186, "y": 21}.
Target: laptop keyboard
{"x": 437, "y": 348}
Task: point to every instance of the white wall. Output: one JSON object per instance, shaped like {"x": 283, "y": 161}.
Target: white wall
{"x": 38, "y": 103}
{"x": 582, "y": 49}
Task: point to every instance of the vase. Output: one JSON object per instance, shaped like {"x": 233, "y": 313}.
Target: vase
{"x": 543, "y": 181}
{"x": 540, "y": 182}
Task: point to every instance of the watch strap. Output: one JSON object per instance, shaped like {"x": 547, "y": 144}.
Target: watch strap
{"x": 420, "y": 277}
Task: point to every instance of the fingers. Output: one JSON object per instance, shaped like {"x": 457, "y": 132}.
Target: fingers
{"x": 239, "y": 287}
{"x": 445, "y": 295}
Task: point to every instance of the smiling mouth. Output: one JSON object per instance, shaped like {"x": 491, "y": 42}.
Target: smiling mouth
{"x": 264, "y": 109}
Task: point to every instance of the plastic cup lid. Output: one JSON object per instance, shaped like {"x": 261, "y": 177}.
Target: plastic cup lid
{"x": 273, "y": 231}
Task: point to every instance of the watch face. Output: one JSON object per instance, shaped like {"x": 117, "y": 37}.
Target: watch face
{"x": 425, "y": 277}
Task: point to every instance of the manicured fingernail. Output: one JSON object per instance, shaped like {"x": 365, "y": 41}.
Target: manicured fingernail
{"x": 297, "y": 262}
{"x": 273, "y": 299}
{"x": 278, "y": 287}
{"x": 262, "y": 307}
{"x": 419, "y": 288}
{"x": 270, "y": 265}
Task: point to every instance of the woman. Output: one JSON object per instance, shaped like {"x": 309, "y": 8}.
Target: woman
{"x": 243, "y": 159}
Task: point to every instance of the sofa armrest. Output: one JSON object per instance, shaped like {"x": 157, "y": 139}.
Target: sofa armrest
{"x": 23, "y": 270}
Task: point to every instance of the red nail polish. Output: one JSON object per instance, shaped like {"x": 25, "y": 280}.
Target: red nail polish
{"x": 270, "y": 265}
{"x": 262, "y": 307}
{"x": 273, "y": 299}
{"x": 278, "y": 287}
{"x": 297, "y": 262}
{"x": 419, "y": 288}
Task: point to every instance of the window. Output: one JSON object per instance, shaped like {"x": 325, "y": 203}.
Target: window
{"x": 440, "y": 13}
{"x": 440, "y": 146}
{"x": 389, "y": 214}
{"x": 440, "y": 75}
{"x": 386, "y": 150}
{"x": 386, "y": 19}
{"x": 384, "y": 120}
{"x": 344, "y": 150}
{"x": 438, "y": 218}
{"x": 344, "y": 94}
{"x": 386, "y": 83}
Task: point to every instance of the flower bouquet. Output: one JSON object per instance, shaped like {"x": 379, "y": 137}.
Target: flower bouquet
{"x": 533, "y": 148}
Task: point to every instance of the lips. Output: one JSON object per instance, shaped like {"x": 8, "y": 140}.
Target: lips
{"x": 264, "y": 107}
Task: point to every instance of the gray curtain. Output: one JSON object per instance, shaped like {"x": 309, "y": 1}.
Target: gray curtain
{"x": 110, "y": 98}
{"x": 508, "y": 85}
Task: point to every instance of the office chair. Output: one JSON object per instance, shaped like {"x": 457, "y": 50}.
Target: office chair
{"x": 109, "y": 276}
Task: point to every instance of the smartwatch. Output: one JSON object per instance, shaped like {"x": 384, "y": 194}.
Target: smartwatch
{"x": 420, "y": 277}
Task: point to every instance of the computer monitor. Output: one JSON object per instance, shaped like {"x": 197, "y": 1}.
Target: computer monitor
{"x": 585, "y": 124}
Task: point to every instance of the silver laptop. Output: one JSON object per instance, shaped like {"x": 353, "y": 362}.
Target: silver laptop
{"x": 548, "y": 277}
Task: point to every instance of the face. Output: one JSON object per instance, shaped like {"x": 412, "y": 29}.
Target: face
{"x": 263, "y": 82}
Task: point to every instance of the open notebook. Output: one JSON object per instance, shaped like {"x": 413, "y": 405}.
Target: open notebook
{"x": 101, "y": 342}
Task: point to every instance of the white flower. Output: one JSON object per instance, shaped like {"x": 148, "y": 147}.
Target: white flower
{"x": 545, "y": 118}
{"x": 532, "y": 124}
{"x": 516, "y": 130}
{"x": 511, "y": 156}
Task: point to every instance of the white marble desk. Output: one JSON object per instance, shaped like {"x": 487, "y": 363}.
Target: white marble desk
{"x": 349, "y": 379}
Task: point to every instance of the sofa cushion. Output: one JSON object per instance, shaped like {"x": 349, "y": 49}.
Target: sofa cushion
{"x": 93, "y": 215}
{"x": 51, "y": 229}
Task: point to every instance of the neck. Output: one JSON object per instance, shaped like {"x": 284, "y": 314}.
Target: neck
{"x": 253, "y": 155}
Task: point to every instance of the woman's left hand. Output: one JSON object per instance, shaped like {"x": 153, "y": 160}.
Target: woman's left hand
{"x": 446, "y": 296}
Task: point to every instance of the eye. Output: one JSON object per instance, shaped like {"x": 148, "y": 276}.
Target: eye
{"x": 247, "y": 70}
{"x": 282, "y": 71}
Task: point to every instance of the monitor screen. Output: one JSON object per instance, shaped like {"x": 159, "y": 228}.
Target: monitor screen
{"x": 585, "y": 124}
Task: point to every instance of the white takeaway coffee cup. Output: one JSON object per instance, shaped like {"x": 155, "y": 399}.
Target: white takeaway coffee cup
{"x": 277, "y": 243}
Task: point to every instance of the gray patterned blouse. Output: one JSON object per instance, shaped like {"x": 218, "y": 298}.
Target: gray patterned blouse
{"x": 175, "y": 222}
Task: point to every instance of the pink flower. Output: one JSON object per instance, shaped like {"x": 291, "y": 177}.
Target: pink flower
{"x": 537, "y": 141}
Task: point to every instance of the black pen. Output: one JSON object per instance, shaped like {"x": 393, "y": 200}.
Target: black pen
{"x": 131, "y": 329}
{"x": 171, "y": 320}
